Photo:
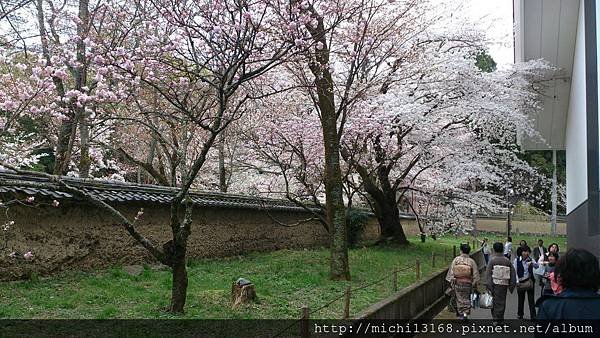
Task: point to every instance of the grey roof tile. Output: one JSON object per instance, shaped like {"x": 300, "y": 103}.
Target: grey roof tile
{"x": 129, "y": 192}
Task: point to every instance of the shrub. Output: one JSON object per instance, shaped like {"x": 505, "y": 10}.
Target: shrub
{"x": 357, "y": 220}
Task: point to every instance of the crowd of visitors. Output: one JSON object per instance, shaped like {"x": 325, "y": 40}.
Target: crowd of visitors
{"x": 568, "y": 283}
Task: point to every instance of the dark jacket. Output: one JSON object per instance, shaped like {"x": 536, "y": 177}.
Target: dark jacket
{"x": 499, "y": 259}
{"x": 570, "y": 304}
{"x": 520, "y": 268}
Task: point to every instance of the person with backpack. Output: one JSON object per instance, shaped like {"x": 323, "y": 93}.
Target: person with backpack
{"x": 500, "y": 278}
{"x": 463, "y": 276}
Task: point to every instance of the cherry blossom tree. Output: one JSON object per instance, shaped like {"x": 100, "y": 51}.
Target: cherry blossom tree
{"x": 182, "y": 72}
{"x": 329, "y": 26}
{"x": 415, "y": 113}
{"x": 334, "y": 102}
{"x": 53, "y": 74}
{"x": 206, "y": 76}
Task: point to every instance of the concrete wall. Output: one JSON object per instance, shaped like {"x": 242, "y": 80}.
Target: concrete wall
{"x": 498, "y": 224}
{"x": 581, "y": 211}
{"x": 521, "y": 226}
{"x": 76, "y": 236}
{"x": 575, "y": 137}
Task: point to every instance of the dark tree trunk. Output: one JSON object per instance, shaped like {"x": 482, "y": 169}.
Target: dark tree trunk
{"x": 384, "y": 203}
{"x": 84, "y": 137}
{"x": 80, "y": 76}
{"x": 175, "y": 251}
{"x": 329, "y": 116}
{"x": 389, "y": 222}
{"x": 179, "y": 287}
{"x": 66, "y": 131}
{"x": 64, "y": 146}
{"x": 222, "y": 169}
{"x": 336, "y": 211}
{"x": 176, "y": 259}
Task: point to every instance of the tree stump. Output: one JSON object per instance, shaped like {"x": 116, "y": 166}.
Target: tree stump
{"x": 242, "y": 292}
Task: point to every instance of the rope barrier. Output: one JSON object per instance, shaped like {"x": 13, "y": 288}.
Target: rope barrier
{"x": 381, "y": 279}
{"x": 296, "y": 322}
{"x": 361, "y": 287}
{"x": 326, "y": 305}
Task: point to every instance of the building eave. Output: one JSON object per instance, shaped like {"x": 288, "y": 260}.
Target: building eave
{"x": 547, "y": 29}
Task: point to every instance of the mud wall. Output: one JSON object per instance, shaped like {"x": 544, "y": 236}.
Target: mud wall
{"x": 79, "y": 236}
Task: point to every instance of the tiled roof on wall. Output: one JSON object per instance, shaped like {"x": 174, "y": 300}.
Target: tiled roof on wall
{"x": 112, "y": 191}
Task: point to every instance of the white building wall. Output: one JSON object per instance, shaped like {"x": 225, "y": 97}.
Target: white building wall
{"x": 576, "y": 144}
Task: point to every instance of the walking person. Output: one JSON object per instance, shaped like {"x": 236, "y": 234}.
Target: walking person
{"x": 500, "y": 278}
{"x": 463, "y": 276}
{"x": 524, "y": 266}
{"x": 539, "y": 251}
{"x": 554, "y": 248}
{"x": 522, "y": 244}
{"x": 485, "y": 249}
{"x": 549, "y": 283}
{"x": 540, "y": 255}
{"x": 507, "y": 247}
{"x": 579, "y": 275}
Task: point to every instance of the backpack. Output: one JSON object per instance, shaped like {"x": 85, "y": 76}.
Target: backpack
{"x": 501, "y": 275}
{"x": 461, "y": 270}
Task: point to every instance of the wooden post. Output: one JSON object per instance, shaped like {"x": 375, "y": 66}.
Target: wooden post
{"x": 347, "y": 303}
{"x": 454, "y": 251}
{"x": 304, "y": 330}
{"x": 433, "y": 259}
{"x": 418, "y": 268}
{"x": 395, "y": 280}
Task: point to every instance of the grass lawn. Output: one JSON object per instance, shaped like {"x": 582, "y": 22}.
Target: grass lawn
{"x": 285, "y": 280}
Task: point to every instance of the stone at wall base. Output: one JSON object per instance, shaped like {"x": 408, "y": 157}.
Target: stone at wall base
{"x": 133, "y": 270}
{"x": 159, "y": 267}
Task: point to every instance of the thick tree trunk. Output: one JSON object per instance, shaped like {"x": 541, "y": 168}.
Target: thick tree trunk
{"x": 64, "y": 146}
{"x": 389, "y": 222}
{"x": 84, "y": 137}
{"x": 336, "y": 211}
{"x": 176, "y": 250}
{"x": 66, "y": 130}
{"x": 180, "y": 283}
{"x": 80, "y": 76}
{"x": 383, "y": 199}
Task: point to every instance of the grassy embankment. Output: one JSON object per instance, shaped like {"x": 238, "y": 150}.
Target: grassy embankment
{"x": 285, "y": 280}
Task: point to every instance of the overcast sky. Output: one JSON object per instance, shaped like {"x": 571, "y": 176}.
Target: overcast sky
{"x": 495, "y": 18}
